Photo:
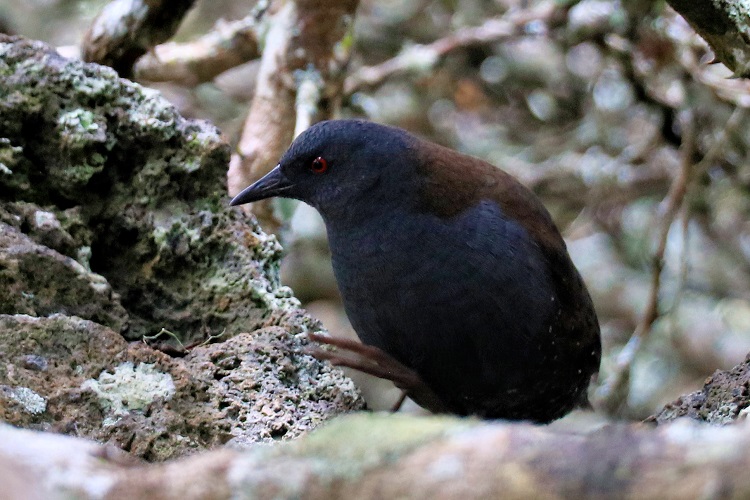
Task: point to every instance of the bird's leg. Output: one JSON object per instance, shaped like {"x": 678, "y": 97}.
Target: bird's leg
{"x": 376, "y": 362}
{"x": 397, "y": 405}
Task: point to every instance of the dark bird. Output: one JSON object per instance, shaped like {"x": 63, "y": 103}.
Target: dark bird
{"x": 452, "y": 273}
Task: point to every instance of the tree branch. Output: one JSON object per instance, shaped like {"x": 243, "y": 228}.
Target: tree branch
{"x": 228, "y": 45}
{"x": 303, "y": 39}
{"x": 613, "y": 393}
{"x": 724, "y": 25}
{"x": 422, "y": 58}
{"x": 126, "y": 29}
{"x": 378, "y": 456}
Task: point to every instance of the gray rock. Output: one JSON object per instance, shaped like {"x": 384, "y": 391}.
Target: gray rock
{"x": 114, "y": 226}
{"x": 253, "y": 387}
{"x": 36, "y": 280}
{"x": 722, "y": 400}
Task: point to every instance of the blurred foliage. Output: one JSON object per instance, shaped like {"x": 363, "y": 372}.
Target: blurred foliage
{"x": 592, "y": 111}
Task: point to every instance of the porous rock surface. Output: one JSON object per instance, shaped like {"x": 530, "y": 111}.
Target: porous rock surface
{"x": 114, "y": 228}
{"x": 724, "y": 398}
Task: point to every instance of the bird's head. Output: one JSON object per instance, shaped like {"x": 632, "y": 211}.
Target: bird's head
{"x": 336, "y": 165}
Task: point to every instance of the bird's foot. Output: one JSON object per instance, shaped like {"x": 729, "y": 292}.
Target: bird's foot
{"x": 376, "y": 362}
{"x": 399, "y": 402}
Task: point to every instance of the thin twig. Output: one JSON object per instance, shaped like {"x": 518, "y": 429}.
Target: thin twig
{"x": 211, "y": 338}
{"x": 163, "y": 331}
{"x": 684, "y": 265}
{"x": 614, "y": 391}
{"x": 718, "y": 147}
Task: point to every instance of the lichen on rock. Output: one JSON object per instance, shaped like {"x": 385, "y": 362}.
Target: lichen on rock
{"x": 722, "y": 400}
{"x": 114, "y": 226}
{"x": 30, "y": 401}
{"x": 131, "y": 388}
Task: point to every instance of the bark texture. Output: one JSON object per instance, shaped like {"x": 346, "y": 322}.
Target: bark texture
{"x": 725, "y": 25}
{"x": 126, "y": 29}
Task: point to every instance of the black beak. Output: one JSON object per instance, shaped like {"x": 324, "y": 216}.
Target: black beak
{"x": 274, "y": 183}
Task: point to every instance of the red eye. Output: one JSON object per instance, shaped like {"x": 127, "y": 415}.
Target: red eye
{"x": 319, "y": 165}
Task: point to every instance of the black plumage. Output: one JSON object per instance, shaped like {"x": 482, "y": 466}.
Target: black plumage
{"x": 450, "y": 270}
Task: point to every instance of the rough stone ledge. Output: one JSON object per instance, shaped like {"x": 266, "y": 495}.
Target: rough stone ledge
{"x": 74, "y": 376}
{"x": 370, "y": 456}
{"x": 724, "y": 398}
{"x": 114, "y": 226}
